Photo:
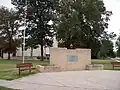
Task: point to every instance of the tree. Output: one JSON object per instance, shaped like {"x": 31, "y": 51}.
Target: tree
{"x": 107, "y": 47}
{"x": 118, "y": 46}
{"x": 2, "y": 43}
{"x": 9, "y": 28}
{"x": 31, "y": 43}
{"x": 39, "y": 13}
{"x": 82, "y": 23}
{"x": 95, "y": 48}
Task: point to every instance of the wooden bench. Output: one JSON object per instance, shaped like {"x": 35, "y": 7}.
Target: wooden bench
{"x": 115, "y": 64}
{"x": 25, "y": 66}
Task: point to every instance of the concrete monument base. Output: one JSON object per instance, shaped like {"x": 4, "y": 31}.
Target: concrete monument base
{"x": 95, "y": 67}
{"x": 48, "y": 68}
{"x": 70, "y": 59}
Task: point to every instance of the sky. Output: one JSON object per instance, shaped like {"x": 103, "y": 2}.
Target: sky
{"x": 112, "y": 5}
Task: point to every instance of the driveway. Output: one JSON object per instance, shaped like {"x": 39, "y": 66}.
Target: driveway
{"x": 70, "y": 80}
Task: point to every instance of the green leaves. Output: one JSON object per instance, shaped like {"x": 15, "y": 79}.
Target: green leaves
{"x": 39, "y": 13}
{"x": 82, "y": 23}
{"x": 118, "y": 46}
{"x": 9, "y": 26}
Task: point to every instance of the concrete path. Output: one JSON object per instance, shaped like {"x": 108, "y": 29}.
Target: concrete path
{"x": 71, "y": 80}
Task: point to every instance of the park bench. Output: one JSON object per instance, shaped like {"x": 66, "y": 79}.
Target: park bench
{"x": 115, "y": 64}
{"x": 25, "y": 66}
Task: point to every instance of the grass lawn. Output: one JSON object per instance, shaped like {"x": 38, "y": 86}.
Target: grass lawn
{"x": 4, "y": 88}
{"x": 107, "y": 64}
{"x": 8, "y": 70}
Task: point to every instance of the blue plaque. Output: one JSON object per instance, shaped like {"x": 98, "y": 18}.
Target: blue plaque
{"x": 72, "y": 58}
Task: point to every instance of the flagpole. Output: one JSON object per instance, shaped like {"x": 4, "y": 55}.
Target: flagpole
{"x": 24, "y": 45}
{"x": 24, "y": 32}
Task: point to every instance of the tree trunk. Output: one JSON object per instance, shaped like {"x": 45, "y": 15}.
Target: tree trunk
{"x": 31, "y": 52}
{"x": 42, "y": 59}
{"x": 41, "y": 52}
{"x": 9, "y": 50}
{"x": 2, "y": 53}
{"x": 9, "y": 56}
{"x": 68, "y": 46}
{"x": 22, "y": 50}
{"x": 14, "y": 54}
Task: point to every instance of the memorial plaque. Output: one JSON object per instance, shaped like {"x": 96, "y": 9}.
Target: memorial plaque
{"x": 72, "y": 58}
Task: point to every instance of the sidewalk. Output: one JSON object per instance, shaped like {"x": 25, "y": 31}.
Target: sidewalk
{"x": 6, "y": 83}
{"x": 71, "y": 80}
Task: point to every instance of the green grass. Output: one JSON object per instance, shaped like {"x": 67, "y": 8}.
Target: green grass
{"x": 20, "y": 61}
{"x": 107, "y": 64}
{"x": 4, "y": 88}
{"x": 13, "y": 74}
{"x": 8, "y": 70}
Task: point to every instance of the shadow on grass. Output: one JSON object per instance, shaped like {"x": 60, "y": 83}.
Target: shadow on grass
{"x": 107, "y": 64}
{"x": 4, "y": 88}
{"x": 110, "y": 67}
{"x": 13, "y": 74}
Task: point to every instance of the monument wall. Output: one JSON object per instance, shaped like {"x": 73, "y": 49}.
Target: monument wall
{"x": 70, "y": 59}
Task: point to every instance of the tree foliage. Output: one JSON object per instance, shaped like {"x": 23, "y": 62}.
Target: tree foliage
{"x": 39, "y": 13}
{"x": 32, "y": 44}
{"x": 9, "y": 29}
{"x": 82, "y": 22}
{"x": 118, "y": 46}
{"x": 107, "y": 47}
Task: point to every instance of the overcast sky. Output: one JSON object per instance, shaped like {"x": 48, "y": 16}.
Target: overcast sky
{"x": 113, "y": 5}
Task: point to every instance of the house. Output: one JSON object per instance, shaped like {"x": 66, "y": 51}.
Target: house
{"x": 37, "y": 52}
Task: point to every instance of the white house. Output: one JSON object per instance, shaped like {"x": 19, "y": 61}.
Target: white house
{"x": 36, "y": 52}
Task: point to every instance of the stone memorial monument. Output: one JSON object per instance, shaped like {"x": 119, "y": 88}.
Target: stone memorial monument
{"x": 70, "y": 59}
